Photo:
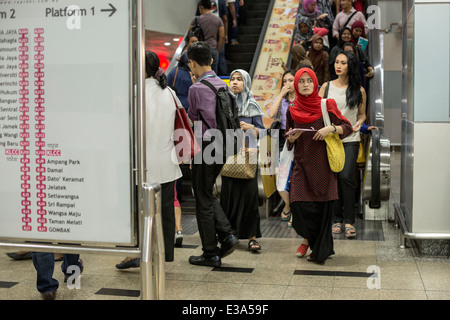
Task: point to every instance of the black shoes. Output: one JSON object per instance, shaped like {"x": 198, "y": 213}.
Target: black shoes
{"x": 19, "y": 256}
{"x": 228, "y": 245}
{"x": 129, "y": 263}
{"x": 205, "y": 261}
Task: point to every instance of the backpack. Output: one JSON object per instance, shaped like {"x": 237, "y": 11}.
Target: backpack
{"x": 197, "y": 30}
{"x": 226, "y": 118}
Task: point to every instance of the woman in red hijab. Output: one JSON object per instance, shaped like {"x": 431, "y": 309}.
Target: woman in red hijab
{"x": 358, "y": 31}
{"x": 313, "y": 185}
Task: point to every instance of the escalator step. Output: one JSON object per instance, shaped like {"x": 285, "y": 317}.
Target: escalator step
{"x": 256, "y": 14}
{"x": 255, "y": 22}
{"x": 246, "y": 57}
{"x": 248, "y": 38}
{"x": 257, "y": 6}
{"x": 242, "y": 47}
{"x": 250, "y": 30}
{"x": 233, "y": 66}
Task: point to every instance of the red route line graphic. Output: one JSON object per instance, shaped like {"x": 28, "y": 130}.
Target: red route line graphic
{"x": 25, "y": 152}
{"x": 40, "y": 126}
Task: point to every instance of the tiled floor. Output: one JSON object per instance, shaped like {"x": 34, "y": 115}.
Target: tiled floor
{"x": 273, "y": 274}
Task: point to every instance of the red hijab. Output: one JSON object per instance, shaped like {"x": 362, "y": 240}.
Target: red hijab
{"x": 308, "y": 109}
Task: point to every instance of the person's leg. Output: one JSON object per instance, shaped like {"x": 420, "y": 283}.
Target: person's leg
{"x": 168, "y": 218}
{"x": 215, "y": 64}
{"x": 44, "y": 263}
{"x": 202, "y": 184}
{"x": 285, "y": 214}
{"x": 222, "y": 68}
{"x": 347, "y": 182}
{"x": 71, "y": 266}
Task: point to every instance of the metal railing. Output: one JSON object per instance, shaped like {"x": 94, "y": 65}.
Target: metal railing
{"x": 150, "y": 250}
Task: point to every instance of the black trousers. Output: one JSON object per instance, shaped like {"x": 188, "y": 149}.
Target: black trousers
{"x": 312, "y": 221}
{"x": 168, "y": 218}
{"x": 344, "y": 208}
{"x": 212, "y": 222}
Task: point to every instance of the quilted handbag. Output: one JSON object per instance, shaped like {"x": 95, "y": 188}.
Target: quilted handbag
{"x": 335, "y": 148}
{"x": 242, "y": 165}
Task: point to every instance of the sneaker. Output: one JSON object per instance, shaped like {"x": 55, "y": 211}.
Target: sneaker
{"x": 301, "y": 251}
{"x": 179, "y": 239}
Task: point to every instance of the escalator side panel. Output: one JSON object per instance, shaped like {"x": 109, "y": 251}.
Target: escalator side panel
{"x": 273, "y": 49}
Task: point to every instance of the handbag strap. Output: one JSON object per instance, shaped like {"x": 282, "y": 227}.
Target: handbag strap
{"x": 326, "y": 90}
{"x": 174, "y": 100}
{"x": 350, "y": 18}
{"x": 175, "y": 77}
{"x": 325, "y": 115}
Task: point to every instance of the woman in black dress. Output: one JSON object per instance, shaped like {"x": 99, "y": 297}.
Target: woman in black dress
{"x": 239, "y": 197}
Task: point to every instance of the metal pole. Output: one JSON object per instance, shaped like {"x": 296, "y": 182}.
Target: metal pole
{"x": 159, "y": 258}
{"x": 140, "y": 100}
{"x": 153, "y": 254}
{"x": 147, "y": 284}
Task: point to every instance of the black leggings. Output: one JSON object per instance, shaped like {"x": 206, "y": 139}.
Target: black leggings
{"x": 344, "y": 208}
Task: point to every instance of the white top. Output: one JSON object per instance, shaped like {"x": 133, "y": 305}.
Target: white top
{"x": 162, "y": 164}
{"x": 338, "y": 95}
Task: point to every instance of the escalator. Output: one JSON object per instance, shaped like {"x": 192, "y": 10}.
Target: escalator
{"x": 376, "y": 177}
{"x": 240, "y": 56}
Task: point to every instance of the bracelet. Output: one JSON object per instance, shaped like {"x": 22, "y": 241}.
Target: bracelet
{"x": 334, "y": 128}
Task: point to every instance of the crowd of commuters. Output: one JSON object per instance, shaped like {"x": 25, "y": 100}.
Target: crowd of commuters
{"x": 327, "y": 63}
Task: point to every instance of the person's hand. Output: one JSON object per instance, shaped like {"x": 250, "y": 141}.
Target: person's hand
{"x": 322, "y": 133}
{"x": 323, "y": 16}
{"x": 370, "y": 73}
{"x": 372, "y": 128}
{"x": 357, "y": 126}
{"x": 295, "y": 136}
{"x": 193, "y": 77}
{"x": 284, "y": 90}
{"x": 246, "y": 126}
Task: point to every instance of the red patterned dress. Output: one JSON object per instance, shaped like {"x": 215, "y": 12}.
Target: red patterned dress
{"x": 313, "y": 187}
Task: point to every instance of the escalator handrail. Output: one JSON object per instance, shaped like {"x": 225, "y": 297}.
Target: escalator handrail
{"x": 375, "y": 201}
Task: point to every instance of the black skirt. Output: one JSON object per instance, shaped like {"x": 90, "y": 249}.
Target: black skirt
{"x": 239, "y": 200}
{"x": 312, "y": 221}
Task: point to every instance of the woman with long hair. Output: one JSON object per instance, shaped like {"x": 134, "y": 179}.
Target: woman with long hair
{"x": 160, "y": 122}
{"x": 350, "y": 97}
{"x": 313, "y": 186}
{"x": 278, "y": 112}
{"x": 239, "y": 197}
